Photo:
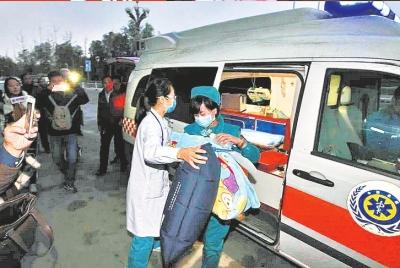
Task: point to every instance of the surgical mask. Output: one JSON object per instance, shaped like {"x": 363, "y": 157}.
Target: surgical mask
{"x": 204, "y": 121}
{"x": 171, "y": 108}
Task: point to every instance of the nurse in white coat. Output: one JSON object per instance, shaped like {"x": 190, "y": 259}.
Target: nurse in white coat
{"x": 148, "y": 181}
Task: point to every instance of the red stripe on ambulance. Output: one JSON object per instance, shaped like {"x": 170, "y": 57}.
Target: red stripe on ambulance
{"x": 336, "y": 223}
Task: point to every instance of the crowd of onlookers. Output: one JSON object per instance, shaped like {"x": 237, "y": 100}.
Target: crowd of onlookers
{"x": 59, "y": 100}
{"x": 58, "y": 120}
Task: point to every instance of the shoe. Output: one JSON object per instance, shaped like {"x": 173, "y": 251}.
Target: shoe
{"x": 115, "y": 160}
{"x": 79, "y": 152}
{"x": 70, "y": 187}
{"x": 100, "y": 173}
{"x": 157, "y": 246}
{"x": 33, "y": 188}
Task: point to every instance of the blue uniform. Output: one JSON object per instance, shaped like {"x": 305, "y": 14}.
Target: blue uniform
{"x": 216, "y": 229}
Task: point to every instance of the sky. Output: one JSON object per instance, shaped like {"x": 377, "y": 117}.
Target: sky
{"x": 25, "y": 24}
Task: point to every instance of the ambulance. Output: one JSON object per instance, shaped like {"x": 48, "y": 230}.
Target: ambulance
{"x": 319, "y": 96}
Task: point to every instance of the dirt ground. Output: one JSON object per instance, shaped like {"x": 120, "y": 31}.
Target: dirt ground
{"x": 89, "y": 226}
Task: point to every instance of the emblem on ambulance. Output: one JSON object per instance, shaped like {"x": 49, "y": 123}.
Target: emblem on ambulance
{"x": 375, "y": 206}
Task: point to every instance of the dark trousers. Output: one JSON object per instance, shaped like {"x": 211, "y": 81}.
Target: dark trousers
{"x": 68, "y": 144}
{"x": 43, "y": 133}
{"x": 106, "y": 136}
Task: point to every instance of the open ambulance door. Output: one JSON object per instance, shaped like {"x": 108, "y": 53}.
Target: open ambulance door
{"x": 261, "y": 98}
{"x": 341, "y": 205}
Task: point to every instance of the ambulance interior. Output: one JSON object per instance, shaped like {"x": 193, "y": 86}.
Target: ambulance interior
{"x": 263, "y": 104}
{"x": 360, "y": 123}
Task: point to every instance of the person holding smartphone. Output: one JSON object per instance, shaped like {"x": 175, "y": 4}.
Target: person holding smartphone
{"x": 61, "y": 104}
{"x": 16, "y": 141}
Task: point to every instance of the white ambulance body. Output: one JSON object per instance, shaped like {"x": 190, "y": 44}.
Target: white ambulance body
{"x": 328, "y": 180}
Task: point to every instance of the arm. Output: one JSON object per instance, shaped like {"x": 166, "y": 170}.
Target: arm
{"x": 82, "y": 96}
{"x": 245, "y": 148}
{"x": 250, "y": 151}
{"x": 99, "y": 122}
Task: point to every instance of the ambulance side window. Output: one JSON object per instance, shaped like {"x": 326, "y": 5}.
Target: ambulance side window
{"x": 140, "y": 89}
{"x": 360, "y": 119}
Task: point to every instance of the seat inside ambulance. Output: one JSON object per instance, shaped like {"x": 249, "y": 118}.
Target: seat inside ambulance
{"x": 341, "y": 122}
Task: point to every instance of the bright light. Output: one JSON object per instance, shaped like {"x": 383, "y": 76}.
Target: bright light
{"x": 62, "y": 87}
{"x": 74, "y": 77}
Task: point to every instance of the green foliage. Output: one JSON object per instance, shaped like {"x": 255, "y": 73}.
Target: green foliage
{"x": 7, "y": 66}
{"x": 68, "y": 56}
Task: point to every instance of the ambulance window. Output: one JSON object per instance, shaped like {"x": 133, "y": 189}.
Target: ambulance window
{"x": 140, "y": 89}
{"x": 183, "y": 80}
{"x": 360, "y": 121}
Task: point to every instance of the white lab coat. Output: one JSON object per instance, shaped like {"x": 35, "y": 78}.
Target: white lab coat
{"x": 148, "y": 187}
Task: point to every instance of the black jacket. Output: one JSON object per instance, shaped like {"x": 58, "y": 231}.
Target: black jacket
{"x": 61, "y": 98}
{"x": 104, "y": 116}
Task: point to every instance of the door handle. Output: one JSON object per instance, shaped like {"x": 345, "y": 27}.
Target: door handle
{"x": 307, "y": 176}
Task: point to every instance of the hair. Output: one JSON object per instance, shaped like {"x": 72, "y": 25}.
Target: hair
{"x": 8, "y": 79}
{"x": 25, "y": 74}
{"x": 197, "y": 101}
{"x": 157, "y": 87}
{"x": 54, "y": 74}
{"x": 106, "y": 76}
{"x": 395, "y": 100}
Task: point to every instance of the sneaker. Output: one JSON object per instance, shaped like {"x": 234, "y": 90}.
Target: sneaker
{"x": 70, "y": 187}
{"x": 115, "y": 160}
{"x": 33, "y": 188}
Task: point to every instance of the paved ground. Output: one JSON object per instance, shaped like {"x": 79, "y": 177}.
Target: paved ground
{"x": 89, "y": 226}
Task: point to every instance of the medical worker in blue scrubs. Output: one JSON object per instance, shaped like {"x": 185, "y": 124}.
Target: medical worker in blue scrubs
{"x": 148, "y": 185}
{"x": 205, "y": 106}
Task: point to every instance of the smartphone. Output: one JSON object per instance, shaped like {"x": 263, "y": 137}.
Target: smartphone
{"x": 30, "y": 113}
{"x": 61, "y": 87}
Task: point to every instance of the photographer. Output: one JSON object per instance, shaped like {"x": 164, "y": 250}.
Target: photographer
{"x": 16, "y": 141}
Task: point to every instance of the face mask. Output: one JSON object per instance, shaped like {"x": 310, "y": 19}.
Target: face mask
{"x": 109, "y": 86}
{"x": 204, "y": 121}
{"x": 171, "y": 108}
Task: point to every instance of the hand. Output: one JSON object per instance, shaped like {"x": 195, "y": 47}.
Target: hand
{"x": 16, "y": 140}
{"x": 225, "y": 138}
{"x": 192, "y": 156}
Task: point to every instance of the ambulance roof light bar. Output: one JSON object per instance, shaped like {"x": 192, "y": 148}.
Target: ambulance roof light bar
{"x": 359, "y": 8}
